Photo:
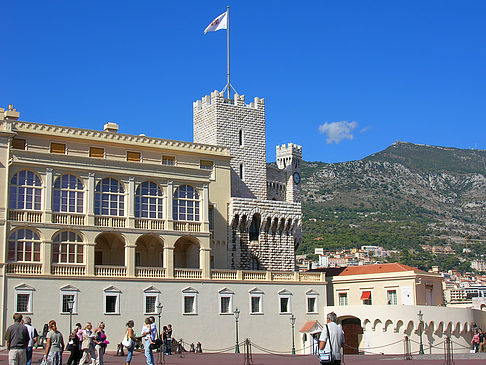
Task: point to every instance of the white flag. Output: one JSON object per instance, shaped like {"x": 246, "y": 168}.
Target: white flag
{"x": 221, "y": 22}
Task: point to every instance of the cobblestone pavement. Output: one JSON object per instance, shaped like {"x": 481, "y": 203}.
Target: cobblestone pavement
{"x": 264, "y": 359}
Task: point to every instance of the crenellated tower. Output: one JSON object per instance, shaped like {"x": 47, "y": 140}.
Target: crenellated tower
{"x": 241, "y": 128}
{"x": 289, "y": 159}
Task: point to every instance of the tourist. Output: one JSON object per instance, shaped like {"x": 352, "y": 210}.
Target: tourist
{"x": 130, "y": 334}
{"x": 482, "y": 340}
{"x": 332, "y": 339}
{"x": 33, "y": 336}
{"x": 74, "y": 345}
{"x": 148, "y": 339}
{"x": 42, "y": 337}
{"x": 87, "y": 347}
{"x": 54, "y": 346}
{"x": 475, "y": 341}
{"x": 168, "y": 340}
{"x": 100, "y": 343}
{"x": 17, "y": 337}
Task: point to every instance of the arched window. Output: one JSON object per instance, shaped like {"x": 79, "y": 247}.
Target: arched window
{"x": 68, "y": 194}
{"x": 255, "y": 227}
{"x": 67, "y": 248}
{"x": 25, "y": 191}
{"x": 109, "y": 198}
{"x": 24, "y": 245}
{"x": 148, "y": 201}
{"x": 186, "y": 204}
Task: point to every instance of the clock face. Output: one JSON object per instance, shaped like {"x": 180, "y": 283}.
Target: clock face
{"x": 297, "y": 178}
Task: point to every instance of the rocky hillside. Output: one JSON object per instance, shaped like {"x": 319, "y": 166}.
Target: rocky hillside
{"x": 400, "y": 197}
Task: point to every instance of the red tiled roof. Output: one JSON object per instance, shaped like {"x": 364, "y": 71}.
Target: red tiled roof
{"x": 308, "y": 326}
{"x": 377, "y": 269}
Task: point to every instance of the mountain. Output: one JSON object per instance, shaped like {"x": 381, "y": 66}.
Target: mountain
{"x": 401, "y": 197}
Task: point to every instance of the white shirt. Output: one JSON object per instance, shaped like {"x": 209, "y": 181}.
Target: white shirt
{"x": 337, "y": 339}
{"x": 32, "y": 334}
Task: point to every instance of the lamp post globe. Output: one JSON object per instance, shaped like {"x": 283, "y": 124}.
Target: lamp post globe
{"x": 70, "y": 305}
{"x": 237, "y": 317}
{"x": 292, "y": 322}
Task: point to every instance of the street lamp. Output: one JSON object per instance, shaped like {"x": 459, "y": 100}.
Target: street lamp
{"x": 70, "y": 305}
{"x": 237, "y": 316}
{"x": 421, "y": 317}
{"x": 159, "y": 312}
{"x": 292, "y": 321}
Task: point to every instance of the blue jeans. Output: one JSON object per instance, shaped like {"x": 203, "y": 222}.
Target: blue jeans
{"x": 167, "y": 346}
{"x": 148, "y": 353}
{"x": 130, "y": 351}
{"x": 29, "y": 355}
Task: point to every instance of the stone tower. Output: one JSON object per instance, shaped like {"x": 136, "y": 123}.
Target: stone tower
{"x": 241, "y": 128}
{"x": 265, "y": 213}
{"x": 289, "y": 159}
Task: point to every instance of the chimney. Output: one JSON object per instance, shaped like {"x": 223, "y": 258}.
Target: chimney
{"x": 111, "y": 127}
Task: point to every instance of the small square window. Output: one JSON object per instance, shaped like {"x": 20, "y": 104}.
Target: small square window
{"x": 23, "y": 303}
{"x": 18, "y": 143}
{"x": 111, "y": 303}
{"x": 134, "y": 156}
{"x": 206, "y": 165}
{"x": 65, "y": 299}
{"x": 284, "y": 305}
{"x": 256, "y": 304}
{"x": 97, "y": 152}
{"x": 343, "y": 299}
{"x": 225, "y": 304}
{"x": 391, "y": 297}
{"x": 189, "y": 304}
{"x": 311, "y": 304}
{"x": 168, "y": 160}
{"x": 150, "y": 303}
{"x": 59, "y": 148}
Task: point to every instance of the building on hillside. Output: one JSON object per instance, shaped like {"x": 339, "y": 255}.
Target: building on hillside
{"x": 379, "y": 304}
{"x": 122, "y": 224}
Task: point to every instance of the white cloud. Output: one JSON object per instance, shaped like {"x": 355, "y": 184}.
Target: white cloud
{"x": 337, "y": 131}
{"x": 365, "y": 129}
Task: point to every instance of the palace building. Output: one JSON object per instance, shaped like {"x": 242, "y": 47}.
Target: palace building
{"x": 121, "y": 224}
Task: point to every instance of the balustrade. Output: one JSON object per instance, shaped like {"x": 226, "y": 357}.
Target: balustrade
{"x": 24, "y": 268}
{"x": 68, "y": 270}
{"x": 188, "y": 273}
{"x": 67, "y": 218}
{"x": 115, "y": 222}
{"x": 110, "y": 271}
{"x": 150, "y": 272}
{"x": 155, "y": 224}
{"x": 25, "y": 216}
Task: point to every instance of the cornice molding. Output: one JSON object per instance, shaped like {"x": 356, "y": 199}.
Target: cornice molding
{"x": 110, "y": 137}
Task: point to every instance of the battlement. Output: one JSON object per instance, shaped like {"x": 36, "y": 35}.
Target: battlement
{"x": 218, "y": 98}
{"x": 291, "y": 148}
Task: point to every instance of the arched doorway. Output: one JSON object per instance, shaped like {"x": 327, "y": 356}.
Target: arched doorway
{"x": 110, "y": 249}
{"x": 186, "y": 253}
{"x": 353, "y": 332}
{"x": 149, "y": 251}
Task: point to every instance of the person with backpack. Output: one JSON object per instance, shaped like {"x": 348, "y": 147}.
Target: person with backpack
{"x": 331, "y": 341}
{"x": 74, "y": 346}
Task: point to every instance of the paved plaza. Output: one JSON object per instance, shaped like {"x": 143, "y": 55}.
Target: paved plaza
{"x": 267, "y": 359}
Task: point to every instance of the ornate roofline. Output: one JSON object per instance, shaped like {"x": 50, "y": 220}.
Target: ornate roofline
{"x": 110, "y": 137}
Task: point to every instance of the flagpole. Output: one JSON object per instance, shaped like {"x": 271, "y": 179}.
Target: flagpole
{"x": 228, "y": 53}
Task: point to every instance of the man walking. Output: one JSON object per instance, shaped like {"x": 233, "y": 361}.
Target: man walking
{"x": 33, "y": 336}
{"x": 332, "y": 338}
{"x": 17, "y": 338}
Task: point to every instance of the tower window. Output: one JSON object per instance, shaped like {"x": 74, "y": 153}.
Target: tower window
{"x": 241, "y": 171}
{"x": 240, "y": 137}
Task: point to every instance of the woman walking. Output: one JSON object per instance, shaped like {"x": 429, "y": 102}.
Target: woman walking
{"x": 130, "y": 335}
{"x": 55, "y": 345}
{"x": 87, "y": 347}
{"x": 100, "y": 343}
{"x": 74, "y": 346}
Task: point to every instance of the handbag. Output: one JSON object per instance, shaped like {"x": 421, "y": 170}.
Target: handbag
{"x": 157, "y": 343}
{"x": 326, "y": 357}
{"x": 127, "y": 341}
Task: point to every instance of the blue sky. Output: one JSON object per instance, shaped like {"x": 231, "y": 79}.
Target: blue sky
{"x": 344, "y": 78}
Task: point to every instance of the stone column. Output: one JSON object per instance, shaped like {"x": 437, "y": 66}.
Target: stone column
{"x": 130, "y": 259}
{"x": 90, "y": 259}
{"x": 170, "y": 196}
{"x": 46, "y": 257}
{"x": 205, "y": 257}
{"x": 131, "y": 202}
{"x": 90, "y": 199}
{"x": 169, "y": 243}
{"x": 48, "y": 197}
{"x": 205, "y": 208}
